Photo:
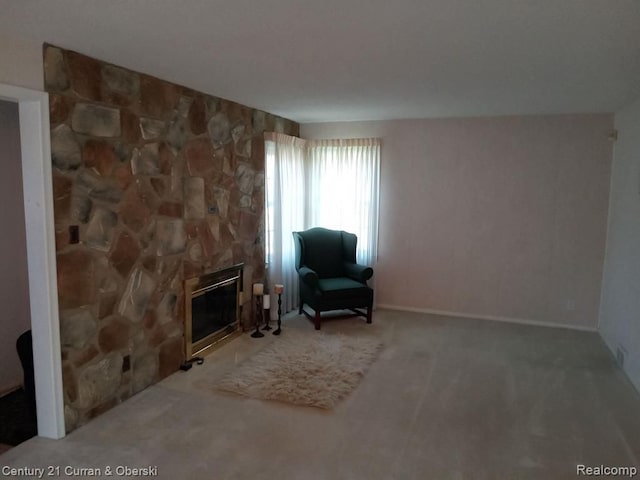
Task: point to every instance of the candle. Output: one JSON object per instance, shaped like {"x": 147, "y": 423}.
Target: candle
{"x": 266, "y": 301}
{"x": 258, "y": 288}
{"x": 278, "y": 288}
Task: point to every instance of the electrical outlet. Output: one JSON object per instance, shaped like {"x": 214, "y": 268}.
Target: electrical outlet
{"x": 74, "y": 234}
{"x": 126, "y": 363}
{"x": 570, "y": 305}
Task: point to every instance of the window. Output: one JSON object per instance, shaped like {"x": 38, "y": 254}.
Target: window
{"x": 320, "y": 183}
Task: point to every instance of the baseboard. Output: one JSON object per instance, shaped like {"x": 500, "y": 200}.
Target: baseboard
{"x": 520, "y": 321}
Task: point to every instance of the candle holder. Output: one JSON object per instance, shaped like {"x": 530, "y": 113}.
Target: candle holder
{"x": 266, "y": 306}
{"x": 279, "y": 289}
{"x": 267, "y": 321}
{"x": 258, "y": 333}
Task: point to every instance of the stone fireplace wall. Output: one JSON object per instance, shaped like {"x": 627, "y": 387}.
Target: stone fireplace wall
{"x": 162, "y": 183}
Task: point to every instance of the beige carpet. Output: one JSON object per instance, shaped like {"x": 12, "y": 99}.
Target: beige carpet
{"x": 446, "y": 399}
{"x": 304, "y": 368}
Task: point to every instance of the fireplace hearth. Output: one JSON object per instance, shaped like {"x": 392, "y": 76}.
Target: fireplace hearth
{"x": 212, "y": 312}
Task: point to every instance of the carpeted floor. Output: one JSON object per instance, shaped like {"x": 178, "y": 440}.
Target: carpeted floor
{"x": 446, "y": 399}
{"x": 16, "y": 423}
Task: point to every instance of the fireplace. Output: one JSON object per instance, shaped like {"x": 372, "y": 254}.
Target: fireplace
{"x": 212, "y": 309}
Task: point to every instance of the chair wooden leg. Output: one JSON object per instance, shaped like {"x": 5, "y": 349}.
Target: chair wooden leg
{"x": 316, "y": 320}
{"x": 369, "y": 314}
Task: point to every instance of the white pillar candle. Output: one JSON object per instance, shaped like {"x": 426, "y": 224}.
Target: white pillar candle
{"x": 258, "y": 288}
{"x": 266, "y": 301}
{"x": 278, "y": 288}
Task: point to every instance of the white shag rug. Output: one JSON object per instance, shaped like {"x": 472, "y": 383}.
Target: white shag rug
{"x": 313, "y": 369}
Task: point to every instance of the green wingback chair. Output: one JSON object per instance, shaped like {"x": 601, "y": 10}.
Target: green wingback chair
{"x": 330, "y": 278}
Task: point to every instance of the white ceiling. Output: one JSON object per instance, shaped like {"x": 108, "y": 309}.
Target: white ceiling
{"x": 327, "y": 60}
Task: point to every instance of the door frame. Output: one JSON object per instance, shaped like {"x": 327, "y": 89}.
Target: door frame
{"x": 33, "y": 107}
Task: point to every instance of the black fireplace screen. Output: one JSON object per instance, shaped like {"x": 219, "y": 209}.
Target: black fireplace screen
{"x": 213, "y": 310}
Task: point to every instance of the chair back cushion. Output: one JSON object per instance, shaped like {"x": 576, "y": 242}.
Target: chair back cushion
{"x": 322, "y": 252}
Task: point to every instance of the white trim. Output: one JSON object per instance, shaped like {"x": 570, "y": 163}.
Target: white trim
{"x": 41, "y": 255}
{"x": 520, "y": 321}
{"x": 607, "y": 253}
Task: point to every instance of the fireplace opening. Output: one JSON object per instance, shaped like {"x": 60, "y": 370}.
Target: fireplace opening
{"x": 212, "y": 312}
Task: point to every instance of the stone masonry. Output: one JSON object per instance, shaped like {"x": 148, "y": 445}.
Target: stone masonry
{"x": 164, "y": 184}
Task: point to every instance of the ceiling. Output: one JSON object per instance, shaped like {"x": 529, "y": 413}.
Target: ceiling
{"x": 329, "y": 60}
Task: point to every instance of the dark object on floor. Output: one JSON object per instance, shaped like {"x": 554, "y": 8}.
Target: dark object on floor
{"x": 24, "y": 346}
{"x": 189, "y": 363}
{"x": 330, "y": 278}
{"x": 17, "y": 424}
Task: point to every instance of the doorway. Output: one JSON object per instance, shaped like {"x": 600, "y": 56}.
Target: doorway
{"x": 33, "y": 112}
{"x": 17, "y": 401}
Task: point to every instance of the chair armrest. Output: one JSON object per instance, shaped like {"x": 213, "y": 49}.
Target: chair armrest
{"x": 308, "y": 276}
{"x": 360, "y": 273}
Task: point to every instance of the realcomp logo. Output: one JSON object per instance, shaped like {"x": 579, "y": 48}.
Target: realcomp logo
{"x": 606, "y": 471}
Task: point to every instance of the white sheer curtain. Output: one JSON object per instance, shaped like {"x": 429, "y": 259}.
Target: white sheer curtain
{"x": 342, "y": 190}
{"x": 285, "y": 200}
{"x": 318, "y": 183}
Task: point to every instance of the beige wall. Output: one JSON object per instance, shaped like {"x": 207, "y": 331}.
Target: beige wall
{"x": 620, "y": 311}
{"x": 14, "y": 286}
{"x": 21, "y": 62}
{"x": 501, "y": 217}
